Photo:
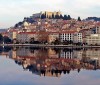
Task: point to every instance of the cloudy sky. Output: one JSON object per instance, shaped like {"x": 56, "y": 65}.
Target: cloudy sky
{"x": 13, "y": 11}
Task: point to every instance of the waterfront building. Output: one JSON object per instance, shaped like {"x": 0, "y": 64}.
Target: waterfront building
{"x": 93, "y": 39}
{"x": 73, "y": 36}
{"x": 52, "y": 37}
{"x": 67, "y": 36}
{"x": 23, "y": 37}
{"x": 12, "y": 34}
{"x": 78, "y": 38}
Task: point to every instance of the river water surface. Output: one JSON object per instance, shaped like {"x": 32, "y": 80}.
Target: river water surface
{"x": 49, "y": 66}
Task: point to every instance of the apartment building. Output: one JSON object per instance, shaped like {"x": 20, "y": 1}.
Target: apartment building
{"x": 23, "y": 37}
{"x": 93, "y": 39}
{"x": 71, "y": 36}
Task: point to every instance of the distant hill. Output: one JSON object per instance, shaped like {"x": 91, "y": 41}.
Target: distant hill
{"x": 3, "y": 30}
{"x": 93, "y": 18}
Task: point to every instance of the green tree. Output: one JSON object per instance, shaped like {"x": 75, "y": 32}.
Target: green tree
{"x": 6, "y": 39}
{"x": 61, "y": 17}
{"x": 57, "y": 16}
{"x": 79, "y": 19}
{"x": 65, "y": 17}
{"x": 43, "y": 16}
{"x": 69, "y": 17}
{"x": 57, "y": 41}
{"x": 1, "y": 38}
{"x": 53, "y": 16}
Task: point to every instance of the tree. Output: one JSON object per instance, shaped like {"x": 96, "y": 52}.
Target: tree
{"x": 6, "y": 39}
{"x": 43, "y": 16}
{"x": 57, "y": 16}
{"x": 57, "y": 41}
{"x": 65, "y": 17}
{"x": 79, "y": 19}
{"x": 53, "y": 16}
{"x": 1, "y": 38}
{"x": 69, "y": 18}
{"x": 42, "y": 36}
{"x": 61, "y": 17}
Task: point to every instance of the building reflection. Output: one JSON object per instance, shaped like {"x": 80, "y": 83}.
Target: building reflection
{"x": 54, "y": 62}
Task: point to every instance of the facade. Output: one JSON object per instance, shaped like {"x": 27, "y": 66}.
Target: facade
{"x": 48, "y": 14}
{"x": 12, "y": 34}
{"x": 71, "y": 36}
{"x": 78, "y": 38}
{"x": 97, "y": 29}
{"x": 93, "y": 39}
{"x": 52, "y": 37}
{"x": 67, "y": 36}
{"x": 23, "y": 37}
{"x": 37, "y": 15}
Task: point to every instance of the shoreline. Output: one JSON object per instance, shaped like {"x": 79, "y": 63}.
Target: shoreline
{"x": 44, "y": 45}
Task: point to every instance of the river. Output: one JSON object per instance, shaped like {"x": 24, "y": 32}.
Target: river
{"x": 49, "y": 66}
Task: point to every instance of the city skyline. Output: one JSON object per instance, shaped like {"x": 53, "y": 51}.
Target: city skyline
{"x": 14, "y": 11}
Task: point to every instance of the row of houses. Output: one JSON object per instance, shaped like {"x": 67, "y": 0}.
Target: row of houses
{"x": 50, "y": 37}
{"x": 71, "y": 35}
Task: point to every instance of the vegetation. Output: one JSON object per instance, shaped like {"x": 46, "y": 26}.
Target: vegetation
{"x": 7, "y": 40}
{"x": 65, "y": 17}
{"x": 79, "y": 19}
{"x": 1, "y": 38}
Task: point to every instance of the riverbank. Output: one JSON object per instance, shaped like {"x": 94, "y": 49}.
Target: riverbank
{"x": 43, "y": 45}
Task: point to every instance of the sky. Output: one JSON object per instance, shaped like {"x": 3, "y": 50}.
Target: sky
{"x": 13, "y": 11}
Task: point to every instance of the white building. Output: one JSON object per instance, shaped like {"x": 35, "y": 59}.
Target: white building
{"x": 71, "y": 36}
{"x": 67, "y": 36}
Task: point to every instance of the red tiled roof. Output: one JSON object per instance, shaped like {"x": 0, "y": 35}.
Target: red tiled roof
{"x": 27, "y": 33}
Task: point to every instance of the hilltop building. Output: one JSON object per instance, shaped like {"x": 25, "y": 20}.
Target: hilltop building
{"x": 47, "y": 13}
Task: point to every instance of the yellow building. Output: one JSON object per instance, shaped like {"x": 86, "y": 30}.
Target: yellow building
{"x": 12, "y": 34}
{"x": 93, "y": 39}
{"x": 52, "y": 37}
{"x": 49, "y": 14}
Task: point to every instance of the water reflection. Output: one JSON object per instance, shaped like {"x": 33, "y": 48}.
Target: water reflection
{"x": 53, "y": 61}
